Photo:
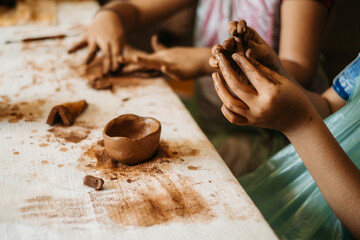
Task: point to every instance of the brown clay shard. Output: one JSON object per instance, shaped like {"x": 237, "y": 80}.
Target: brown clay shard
{"x": 66, "y": 112}
{"x": 93, "y": 182}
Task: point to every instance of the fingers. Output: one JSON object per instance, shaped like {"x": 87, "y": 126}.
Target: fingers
{"x": 132, "y": 67}
{"x": 232, "y": 117}
{"x": 78, "y": 46}
{"x": 239, "y": 45}
{"x": 251, "y": 34}
{"x": 155, "y": 44}
{"x": 116, "y": 49}
{"x": 140, "y": 63}
{"x": 149, "y": 63}
{"x": 212, "y": 62}
{"x": 93, "y": 48}
{"x": 272, "y": 76}
{"x": 235, "y": 83}
{"x": 249, "y": 54}
{"x": 235, "y": 105}
{"x": 236, "y": 28}
{"x": 107, "y": 61}
{"x": 232, "y": 28}
{"x": 251, "y": 72}
{"x": 217, "y": 49}
{"x": 170, "y": 72}
{"x": 229, "y": 44}
{"x": 241, "y": 27}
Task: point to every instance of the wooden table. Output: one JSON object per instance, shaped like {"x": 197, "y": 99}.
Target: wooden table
{"x": 185, "y": 192}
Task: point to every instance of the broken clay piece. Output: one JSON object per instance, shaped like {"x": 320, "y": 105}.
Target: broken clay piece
{"x": 131, "y": 139}
{"x": 93, "y": 182}
{"x": 66, "y": 112}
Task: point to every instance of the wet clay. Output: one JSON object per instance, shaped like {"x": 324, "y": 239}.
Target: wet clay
{"x": 66, "y": 112}
{"x": 99, "y": 81}
{"x": 93, "y": 182}
{"x": 131, "y": 139}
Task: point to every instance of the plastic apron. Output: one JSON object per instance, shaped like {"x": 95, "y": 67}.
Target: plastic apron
{"x": 285, "y": 192}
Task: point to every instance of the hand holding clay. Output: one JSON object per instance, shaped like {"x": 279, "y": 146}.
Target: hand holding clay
{"x": 66, "y": 112}
{"x": 244, "y": 38}
{"x": 107, "y": 34}
{"x": 252, "y": 40}
{"x": 180, "y": 63}
{"x": 275, "y": 102}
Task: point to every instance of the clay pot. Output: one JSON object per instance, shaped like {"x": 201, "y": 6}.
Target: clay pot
{"x": 131, "y": 139}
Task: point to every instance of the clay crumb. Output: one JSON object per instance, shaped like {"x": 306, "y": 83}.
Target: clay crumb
{"x": 93, "y": 182}
{"x": 44, "y": 162}
{"x": 43, "y": 145}
{"x": 192, "y": 168}
{"x": 60, "y": 165}
{"x": 63, "y": 149}
{"x": 16, "y": 153}
{"x": 129, "y": 180}
{"x": 126, "y": 99}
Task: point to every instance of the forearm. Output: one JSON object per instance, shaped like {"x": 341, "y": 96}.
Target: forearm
{"x": 302, "y": 27}
{"x": 303, "y": 73}
{"x": 322, "y": 104}
{"x": 141, "y": 13}
{"x": 334, "y": 173}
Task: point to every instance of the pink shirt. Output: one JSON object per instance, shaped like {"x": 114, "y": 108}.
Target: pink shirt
{"x": 213, "y": 17}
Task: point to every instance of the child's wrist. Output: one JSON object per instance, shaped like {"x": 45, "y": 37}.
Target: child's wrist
{"x": 305, "y": 127}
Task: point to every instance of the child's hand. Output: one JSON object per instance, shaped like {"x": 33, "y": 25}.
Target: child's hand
{"x": 107, "y": 34}
{"x": 252, "y": 40}
{"x": 244, "y": 38}
{"x": 179, "y": 63}
{"x": 272, "y": 101}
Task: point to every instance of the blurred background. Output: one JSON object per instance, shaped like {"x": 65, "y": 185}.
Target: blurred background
{"x": 341, "y": 42}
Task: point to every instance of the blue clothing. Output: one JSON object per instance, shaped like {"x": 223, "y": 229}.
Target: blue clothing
{"x": 285, "y": 192}
{"x": 345, "y": 81}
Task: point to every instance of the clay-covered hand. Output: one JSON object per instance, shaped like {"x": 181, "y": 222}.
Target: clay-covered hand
{"x": 273, "y": 101}
{"x": 179, "y": 63}
{"x": 252, "y": 40}
{"x": 244, "y": 38}
{"x": 107, "y": 34}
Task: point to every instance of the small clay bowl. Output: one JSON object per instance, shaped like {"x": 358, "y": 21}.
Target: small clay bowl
{"x": 131, "y": 139}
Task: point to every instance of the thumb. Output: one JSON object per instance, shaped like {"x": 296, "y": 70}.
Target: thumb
{"x": 155, "y": 44}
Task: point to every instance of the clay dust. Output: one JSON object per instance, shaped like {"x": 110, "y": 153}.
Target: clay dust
{"x": 14, "y": 112}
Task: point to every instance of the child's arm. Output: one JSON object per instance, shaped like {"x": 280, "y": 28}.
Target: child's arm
{"x": 302, "y": 28}
{"x": 179, "y": 63}
{"x": 278, "y": 103}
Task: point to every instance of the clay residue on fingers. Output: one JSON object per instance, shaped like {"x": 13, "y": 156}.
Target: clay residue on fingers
{"x": 97, "y": 80}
